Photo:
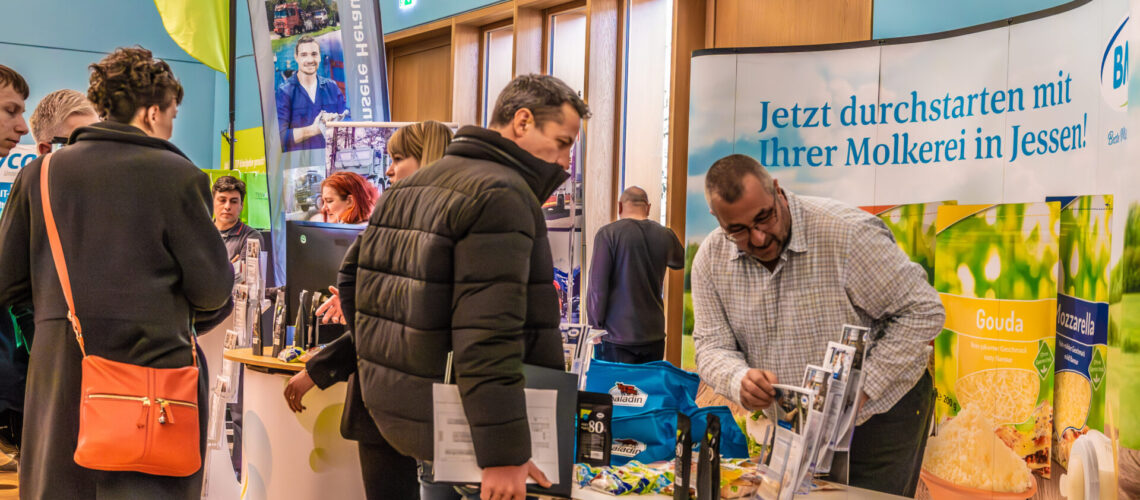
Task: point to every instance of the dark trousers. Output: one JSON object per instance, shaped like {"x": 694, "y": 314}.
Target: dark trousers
{"x": 387, "y": 473}
{"x": 886, "y": 451}
{"x": 631, "y": 354}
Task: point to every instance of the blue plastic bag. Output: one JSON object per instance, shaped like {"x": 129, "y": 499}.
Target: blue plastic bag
{"x": 646, "y": 437}
{"x": 733, "y": 444}
{"x": 644, "y": 388}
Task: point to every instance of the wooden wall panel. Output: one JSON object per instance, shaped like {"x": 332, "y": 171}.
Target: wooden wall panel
{"x": 602, "y": 49}
{"x": 421, "y": 82}
{"x": 689, "y": 33}
{"x": 756, "y": 23}
{"x": 465, "y": 42}
{"x": 528, "y": 41}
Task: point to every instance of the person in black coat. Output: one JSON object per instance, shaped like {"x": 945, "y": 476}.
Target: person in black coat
{"x": 386, "y": 472}
{"x": 456, "y": 258}
{"x": 147, "y": 270}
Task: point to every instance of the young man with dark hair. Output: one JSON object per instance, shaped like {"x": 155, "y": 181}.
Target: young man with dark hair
{"x": 229, "y": 198}
{"x": 13, "y": 351}
{"x": 475, "y": 277}
{"x": 13, "y": 92}
{"x": 780, "y": 277}
{"x": 307, "y": 100}
{"x": 627, "y": 274}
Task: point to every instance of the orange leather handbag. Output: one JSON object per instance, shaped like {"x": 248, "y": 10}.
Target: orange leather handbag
{"x": 131, "y": 418}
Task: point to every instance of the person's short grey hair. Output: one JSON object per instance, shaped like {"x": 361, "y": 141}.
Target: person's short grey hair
{"x": 543, "y": 95}
{"x": 634, "y": 195}
{"x": 724, "y": 177}
{"x": 54, "y": 109}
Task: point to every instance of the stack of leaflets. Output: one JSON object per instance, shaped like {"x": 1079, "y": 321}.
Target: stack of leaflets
{"x": 814, "y": 419}
{"x": 578, "y": 347}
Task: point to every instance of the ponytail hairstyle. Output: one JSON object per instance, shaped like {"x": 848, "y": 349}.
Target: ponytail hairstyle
{"x": 425, "y": 141}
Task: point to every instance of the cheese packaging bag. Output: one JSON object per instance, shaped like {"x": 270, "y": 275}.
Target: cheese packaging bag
{"x": 1082, "y": 320}
{"x": 995, "y": 269}
{"x": 913, "y": 227}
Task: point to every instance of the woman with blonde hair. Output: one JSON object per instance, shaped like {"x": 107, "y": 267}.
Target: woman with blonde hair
{"x": 387, "y": 473}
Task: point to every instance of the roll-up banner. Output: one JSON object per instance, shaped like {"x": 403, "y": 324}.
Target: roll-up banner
{"x": 1002, "y": 115}
{"x": 317, "y": 62}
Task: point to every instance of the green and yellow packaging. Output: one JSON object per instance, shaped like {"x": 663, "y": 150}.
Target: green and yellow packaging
{"x": 914, "y": 230}
{"x": 1082, "y": 320}
{"x": 995, "y": 268}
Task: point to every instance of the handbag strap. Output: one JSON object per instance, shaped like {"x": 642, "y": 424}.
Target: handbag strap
{"x": 61, "y": 264}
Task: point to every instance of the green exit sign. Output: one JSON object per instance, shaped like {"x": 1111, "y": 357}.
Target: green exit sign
{"x": 407, "y": 4}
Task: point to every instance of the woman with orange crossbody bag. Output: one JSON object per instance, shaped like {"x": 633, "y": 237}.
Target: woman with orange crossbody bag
{"x": 115, "y": 229}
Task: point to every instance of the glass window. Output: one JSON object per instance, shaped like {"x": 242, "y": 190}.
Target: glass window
{"x": 645, "y": 109}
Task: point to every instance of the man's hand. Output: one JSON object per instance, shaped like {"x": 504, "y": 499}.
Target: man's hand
{"x": 509, "y": 482}
{"x": 862, "y": 400}
{"x": 756, "y": 391}
{"x": 296, "y": 389}
{"x": 330, "y": 311}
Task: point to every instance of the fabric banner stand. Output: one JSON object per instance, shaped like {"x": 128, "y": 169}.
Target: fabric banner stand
{"x": 336, "y": 73}
{"x": 1004, "y": 113}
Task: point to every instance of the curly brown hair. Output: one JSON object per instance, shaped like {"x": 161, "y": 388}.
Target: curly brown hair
{"x": 129, "y": 79}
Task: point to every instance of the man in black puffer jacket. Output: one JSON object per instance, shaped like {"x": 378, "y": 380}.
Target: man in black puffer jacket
{"x": 456, "y": 258}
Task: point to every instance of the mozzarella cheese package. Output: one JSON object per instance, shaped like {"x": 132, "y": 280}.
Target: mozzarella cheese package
{"x": 995, "y": 269}
{"x": 1082, "y": 320}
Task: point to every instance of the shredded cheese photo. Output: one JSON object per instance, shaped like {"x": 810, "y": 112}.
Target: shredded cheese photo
{"x": 1008, "y": 395}
{"x": 966, "y": 452}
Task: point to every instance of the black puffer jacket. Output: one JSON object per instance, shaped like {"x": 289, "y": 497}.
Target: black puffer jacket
{"x": 456, "y": 257}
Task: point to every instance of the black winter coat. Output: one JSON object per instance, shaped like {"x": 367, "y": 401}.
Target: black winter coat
{"x": 145, "y": 262}
{"x": 456, "y": 258}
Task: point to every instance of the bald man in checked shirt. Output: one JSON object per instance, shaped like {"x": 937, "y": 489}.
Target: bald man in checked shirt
{"x": 778, "y": 280}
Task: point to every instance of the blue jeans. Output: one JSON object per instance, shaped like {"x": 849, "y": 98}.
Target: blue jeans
{"x": 442, "y": 491}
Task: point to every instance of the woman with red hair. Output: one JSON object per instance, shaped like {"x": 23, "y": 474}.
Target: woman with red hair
{"x": 348, "y": 198}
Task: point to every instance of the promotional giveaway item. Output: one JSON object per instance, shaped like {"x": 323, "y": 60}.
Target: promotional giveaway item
{"x": 279, "y": 322}
{"x": 996, "y": 271}
{"x": 683, "y": 462}
{"x": 131, "y": 418}
{"x": 645, "y": 437}
{"x": 595, "y": 414}
{"x": 733, "y": 444}
{"x": 643, "y": 388}
{"x": 1082, "y": 320}
{"x": 708, "y": 461}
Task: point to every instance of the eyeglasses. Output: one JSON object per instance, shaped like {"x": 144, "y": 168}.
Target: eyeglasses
{"x": 763, "y": 218}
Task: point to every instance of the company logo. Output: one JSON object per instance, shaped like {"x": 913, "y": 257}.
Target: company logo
{"x": 627, "y": 447}
{"x": 1114, "y": 69}
{"x": 628, "y": 395}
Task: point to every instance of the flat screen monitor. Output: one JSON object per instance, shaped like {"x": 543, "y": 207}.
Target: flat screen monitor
{"x": 313, "y": 256}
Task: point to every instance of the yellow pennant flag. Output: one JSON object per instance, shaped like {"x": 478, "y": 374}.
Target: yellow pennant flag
{"x": 200, "y": 27}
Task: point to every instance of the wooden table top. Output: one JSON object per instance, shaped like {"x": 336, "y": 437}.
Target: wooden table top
{"x": 245, "y": 356}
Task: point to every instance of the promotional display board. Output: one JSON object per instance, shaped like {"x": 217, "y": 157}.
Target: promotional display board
{"x": 318, "y": 62}
{"x": 20, "y": 155}
{"x": 1000, "y": 116}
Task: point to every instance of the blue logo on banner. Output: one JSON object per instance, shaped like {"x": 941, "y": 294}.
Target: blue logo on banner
{"x": 1083, "y": 321}
{"x": 5, "y": 188}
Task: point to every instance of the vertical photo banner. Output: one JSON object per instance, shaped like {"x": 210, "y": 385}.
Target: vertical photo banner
{"x": 318, "y": 62}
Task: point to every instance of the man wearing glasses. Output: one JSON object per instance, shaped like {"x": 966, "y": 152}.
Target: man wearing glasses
{"x": 57, "y": 115}
{"x": 778, "y": 280}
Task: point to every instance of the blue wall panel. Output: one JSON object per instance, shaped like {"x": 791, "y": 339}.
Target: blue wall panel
{"x": 395, "y": 17}
{"x": 895, "y": 18}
